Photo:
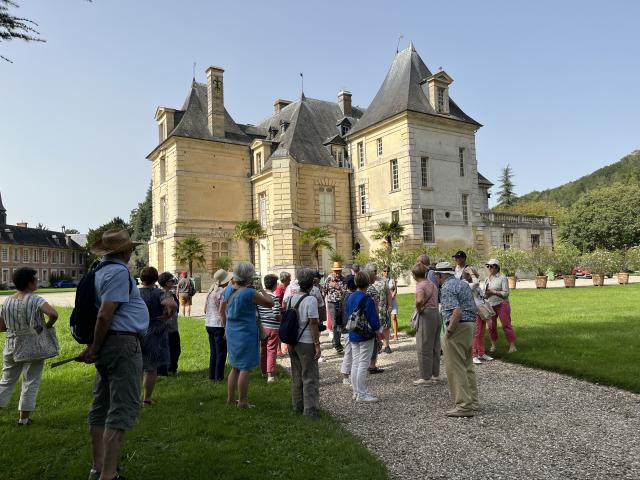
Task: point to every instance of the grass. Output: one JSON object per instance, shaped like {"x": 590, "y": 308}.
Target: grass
{"x": 589, "y": 333}
{"x": 41, "y": 290}
{"x": 189, "y": 433}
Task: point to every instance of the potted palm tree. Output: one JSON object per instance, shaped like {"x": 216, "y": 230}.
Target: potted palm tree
{"x": 249, "y": 231}
{"x": 566, "y": 258}
{"x": 318, "y": 239}
{"x": 188, "y": 251}
{"x": 540, "y": 260}
{"x": 600, "y": 263}
{"x": 510, "y": 260}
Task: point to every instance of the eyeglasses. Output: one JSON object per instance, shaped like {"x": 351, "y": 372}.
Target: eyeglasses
{"x": 492, "y": 266}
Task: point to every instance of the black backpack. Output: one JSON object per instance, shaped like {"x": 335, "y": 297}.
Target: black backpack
{"x": 85, "y": 312}
{"x": 288, "y": 331}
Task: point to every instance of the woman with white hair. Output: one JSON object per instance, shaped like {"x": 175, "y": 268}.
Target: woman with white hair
{"x": 238, "y": 312}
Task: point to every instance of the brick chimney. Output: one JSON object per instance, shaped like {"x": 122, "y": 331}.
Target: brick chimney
{"x": 344, "y": 100}
{"x": 279, "y": 104}
{"x": 215, "y": 101}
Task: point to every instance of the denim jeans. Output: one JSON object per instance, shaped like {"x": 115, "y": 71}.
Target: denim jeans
{"x": 335, "y": 311}
{"x": 218, "y": 353}
{"x": 174, "y": 355}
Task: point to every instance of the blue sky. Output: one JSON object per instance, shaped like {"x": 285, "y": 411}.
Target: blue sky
{"x": 555, "y": 84}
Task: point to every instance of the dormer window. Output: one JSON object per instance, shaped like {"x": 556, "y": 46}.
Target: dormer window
{"x": 436, "y": 89}
{"x": 440, "y": 99}
{"x": 338, "y": 154}
{"x": 283, "y": 125}
{"x": 273, "y": 133}
{"x": 344, "y": 125}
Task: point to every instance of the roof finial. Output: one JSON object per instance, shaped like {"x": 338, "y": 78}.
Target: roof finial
{"x": 301, "y": 86}
{"x": 194, "y": 72}
{"x": 413, "y": 49}
{"x": 398, "y": 45}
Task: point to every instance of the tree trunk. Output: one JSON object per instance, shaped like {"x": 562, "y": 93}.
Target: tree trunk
{"x": 190, "y": 268}
{"x": 252, "y": 252}
{"x": 318, "y": 259}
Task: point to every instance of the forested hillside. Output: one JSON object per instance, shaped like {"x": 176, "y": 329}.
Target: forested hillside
{"x": 626, "y": 170}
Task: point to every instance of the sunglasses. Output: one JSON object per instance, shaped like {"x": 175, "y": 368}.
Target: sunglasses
{"x": 492, "y": 266}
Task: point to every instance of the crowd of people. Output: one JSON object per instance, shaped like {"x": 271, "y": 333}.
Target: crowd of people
{"x": 137, "y": 338}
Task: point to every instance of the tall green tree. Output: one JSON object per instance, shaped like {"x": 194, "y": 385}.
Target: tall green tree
{"x": 188, "y": 251}
{"x": 249, "y": 231}
{"x": 389, "y": 232}
{"x": 140, "y": 220}
{"x": 607, "y": 217}
{"x": 506, "y": 195}
{"x": 318, "y": 239}
{"x": 13, "y": 27}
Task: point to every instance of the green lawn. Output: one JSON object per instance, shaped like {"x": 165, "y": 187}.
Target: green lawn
{"x": 41, "y": 290}
{"x": 590, "y": 333}
{"x": 190, "y": 433}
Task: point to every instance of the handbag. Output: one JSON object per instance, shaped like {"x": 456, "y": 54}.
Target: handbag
{"x": 358, "y": 323}
{"x": 485, "y": 311}
{"x": 414, "y": 320}
{"x": 35, "y": 343}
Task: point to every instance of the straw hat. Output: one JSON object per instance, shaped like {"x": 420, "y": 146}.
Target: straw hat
{"x": 113, "y": 241}
{"x": 444, "y": 268}
{"x": 336, "y": 266}
{"x": 222, "y": 276}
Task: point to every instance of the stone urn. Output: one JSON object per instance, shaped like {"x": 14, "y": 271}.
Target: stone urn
{"x": 569, "y": 281}
{"x": 623, "y": 278}
{"x": 541, "y": 281}
{"x": 598, "y": 279}
{"x": 512, "y": 282}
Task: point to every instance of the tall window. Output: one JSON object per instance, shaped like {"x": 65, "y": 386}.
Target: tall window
{"x": 379, "y": 146}
{"x": 362, "y": 193}
{"x": 465, "y": 208}
{"x": 535, "y": 240}
{"x": 395, "y": 180}
{"x": 54, "y": 257}
{"x": 262, "y": 209}
{"x": 338, "y": 154}
{"x": 440, "y": 99}
{"x": 35, "y": 255}
{"x": 5, "y": 255}
{"x": 424, "y": 171}
{"x": 45, "y": 256}
{"x": 16, "y": 255}
{"x": 258, "y": 162}
{"x": 507, "y": 240}
{"x": 427, "y": 226}
{"x": 63, "y": 258}
{"x": 45, "y": 275}
{"x": 163, "y": 170}
{"x": 360, "y": 154}
{"x": 25, "y": 255}
{"x": 395, "y": 216}
{"x": 461, "y": 158}
{"x": 327, "y": 204}
{"x": 219, "y": 249}
{"x": 5, "y": 275}
{"x": 163, "y": 209}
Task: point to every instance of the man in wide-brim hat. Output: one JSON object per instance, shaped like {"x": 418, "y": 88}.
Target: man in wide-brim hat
{"x": 122, "y": 318}
{"x": 458, "y": 312}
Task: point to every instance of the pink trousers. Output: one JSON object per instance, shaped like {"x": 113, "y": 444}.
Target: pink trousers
{"x": 477, "y": 348}
{"x": 269, "y": 351}
{"x": 503, "y": 312}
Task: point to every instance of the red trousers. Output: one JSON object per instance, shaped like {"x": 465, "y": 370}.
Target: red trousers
{"x": 269, "y": 351}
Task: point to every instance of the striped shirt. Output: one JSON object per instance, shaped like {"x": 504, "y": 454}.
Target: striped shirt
{"x": 267, "y": 315}
{"x": 20, "y": 315}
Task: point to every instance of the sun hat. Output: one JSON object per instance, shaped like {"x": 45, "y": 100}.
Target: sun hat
{"x": 444, "y": 268}
{"x": 336, "y": 266}
{"x": 113, "y": 241}
{"x": 492, "y": 261}
{"x": 222, "y": 276}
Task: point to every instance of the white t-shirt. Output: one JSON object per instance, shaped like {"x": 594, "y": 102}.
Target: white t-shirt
{"x": 294, "y": 288}
{"x": 308, "y": 308}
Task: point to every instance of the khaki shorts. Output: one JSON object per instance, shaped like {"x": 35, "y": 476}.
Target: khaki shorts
{"x": 185, "y": 299}
{"x": 116, "y": 391}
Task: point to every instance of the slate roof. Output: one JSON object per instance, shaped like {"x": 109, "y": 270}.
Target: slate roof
{"x": 401, "y": 91}
{"x": 311, "y": 123}
{"x": 11, "y": 234}
{"x": 482, "y": 180}
{"x": 191, "y": 121}
{"x": 2, "y": 209}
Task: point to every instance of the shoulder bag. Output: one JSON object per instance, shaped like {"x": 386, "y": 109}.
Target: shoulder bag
{"x": 37, "y": 342}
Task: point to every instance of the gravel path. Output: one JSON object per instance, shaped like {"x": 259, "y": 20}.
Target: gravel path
{"x": 532, "y": 424}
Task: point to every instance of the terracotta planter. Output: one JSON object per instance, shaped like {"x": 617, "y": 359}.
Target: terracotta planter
{"x": 569, "y": 281}
{"x": 512, "y": 282}
{"x": 541, "y": 281}
{"x": 623, "y": 278}
{"x": 598, "y": 279}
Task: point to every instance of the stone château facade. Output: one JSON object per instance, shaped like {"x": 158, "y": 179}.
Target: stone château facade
{"x": 410, "y": 156}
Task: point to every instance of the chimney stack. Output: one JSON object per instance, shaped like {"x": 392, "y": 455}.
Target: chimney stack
{"x": 279, "y": 104}
{"x": 215, "y": 101}
{"x": 22, "y": 224}
{"x": 344, "y": 100}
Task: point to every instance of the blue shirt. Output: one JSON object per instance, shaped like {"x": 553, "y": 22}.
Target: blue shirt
{"x": 370, "y": 311}
{"x": 112, "y": 285}
{"x": 456, "y": 293}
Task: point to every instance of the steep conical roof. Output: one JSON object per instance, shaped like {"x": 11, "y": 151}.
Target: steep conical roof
{"x": 401, "y": 91}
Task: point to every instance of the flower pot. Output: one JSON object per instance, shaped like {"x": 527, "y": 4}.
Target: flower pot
{"x": 512, "y": 282}
{"x": 569, "y": 281}
{"x": 541, "y": 281}
{"x": 598, "y": 279}
{"x": 623, "y": 278}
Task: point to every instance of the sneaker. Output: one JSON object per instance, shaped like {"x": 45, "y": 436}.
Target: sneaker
{"x": 512, "y": 349}
{"x": 436, "y": 379}
{"x": 367, "y": 397}
{"x": 271, "y": 379}
{"x": 346, "y": 381}
{"x": 94, "y": 475}
{"x": 459, "y": 413}
{"x": 477, "y": 361}
{"x": 492, "y": 349}
{"x": 330, "y": 335}
{"x": 321, "y": 360}
{"x": 422, "y": 381}
{"x": 387, "y": 349}
{"x": 486, "y": 358}
{"x": 22, "y": 423}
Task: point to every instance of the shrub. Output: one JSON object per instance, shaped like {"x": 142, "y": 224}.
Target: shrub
{"x": 361, "y": 258}
{"x": 539, "y": 260}
{"x": 336, "y": 257}
{"x": 633, "y": 256}
{"x": 599, "y": 261}
{"x": 511, "y": 259}
{"x": 224, "y": 262}
{"x": 565, "y": 259}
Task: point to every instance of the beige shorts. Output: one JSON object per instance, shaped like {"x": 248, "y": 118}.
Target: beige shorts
{"x": 185, "y": 299}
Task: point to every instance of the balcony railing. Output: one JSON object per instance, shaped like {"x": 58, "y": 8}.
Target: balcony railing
{"x": 515, "y": 219}
{"x": 160, "y": 229}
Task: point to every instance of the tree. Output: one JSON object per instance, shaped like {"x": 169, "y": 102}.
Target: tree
{"x": 96, "y": 234}
{"x": 12, "y": 27}
{"x": 607, "y": 217}
{"x": 190, "y": 251}
{"x": 249, "y": 231}
{"x": 317, "y": 238}
{"x": 140, "y": 220}
{"x": 71, "y": 231}
{"x": 506, "y": 195}
{"x": 42, "y": 226}
{"x": 388, "y": 231}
